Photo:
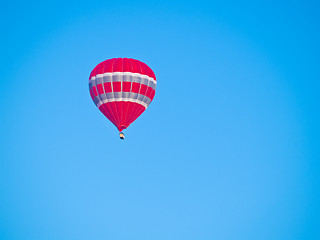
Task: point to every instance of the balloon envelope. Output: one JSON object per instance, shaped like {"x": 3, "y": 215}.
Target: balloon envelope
{"x": 122, "y": 89}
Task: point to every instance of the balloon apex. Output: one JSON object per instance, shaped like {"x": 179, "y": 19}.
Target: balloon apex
{"x": 121, "y": 134}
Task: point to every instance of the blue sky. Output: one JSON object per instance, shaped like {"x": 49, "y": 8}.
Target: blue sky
{"x": 228, "y": 149}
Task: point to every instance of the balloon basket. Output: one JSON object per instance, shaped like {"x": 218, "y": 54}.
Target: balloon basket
{"x": 121, "y": 134}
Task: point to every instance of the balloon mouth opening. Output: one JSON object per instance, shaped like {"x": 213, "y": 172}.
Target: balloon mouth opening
{"x": 120, "y": 128}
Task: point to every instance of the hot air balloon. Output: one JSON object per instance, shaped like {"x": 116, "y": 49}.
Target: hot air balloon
{"x": 122, "y": 89}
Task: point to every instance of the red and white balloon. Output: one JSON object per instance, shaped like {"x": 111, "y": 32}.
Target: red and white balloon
{"x": 122, "y": 89}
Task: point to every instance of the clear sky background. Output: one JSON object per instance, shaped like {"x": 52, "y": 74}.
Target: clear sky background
{"x": 228, "y": 149}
